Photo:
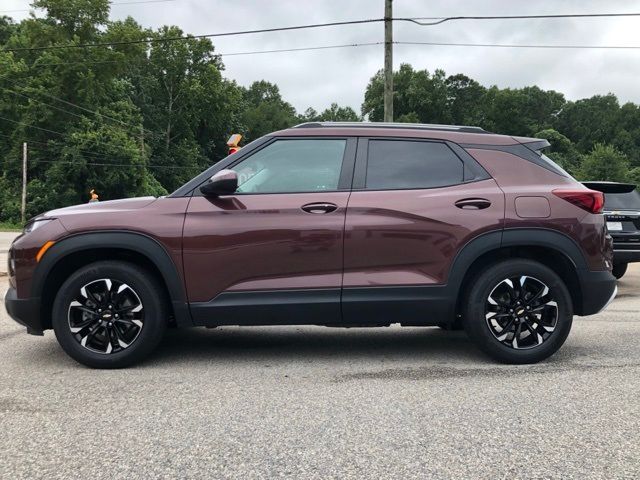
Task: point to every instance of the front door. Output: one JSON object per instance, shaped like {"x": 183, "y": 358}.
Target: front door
{"x": 272, "y": 252}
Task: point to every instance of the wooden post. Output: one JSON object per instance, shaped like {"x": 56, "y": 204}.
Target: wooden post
{"x": 24, "y": 181}
{"x": 388, "y": 61}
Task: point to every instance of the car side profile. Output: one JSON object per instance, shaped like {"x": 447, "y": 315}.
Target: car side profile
{"x": 334, "y": 224}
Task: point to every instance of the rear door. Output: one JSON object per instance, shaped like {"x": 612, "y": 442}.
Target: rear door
{"x": 273, "y": 251}
{"x": 414, "y": 205}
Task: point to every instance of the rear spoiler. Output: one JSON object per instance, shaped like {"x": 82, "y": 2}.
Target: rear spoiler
{"x": 610, "y": 187}
{"x": 534, "y": 144}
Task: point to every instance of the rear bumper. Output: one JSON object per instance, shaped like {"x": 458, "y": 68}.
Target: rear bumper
{"x": 598, "y": 290}
{"x": 25, "y": 311}
{"x": 625, "y": 255}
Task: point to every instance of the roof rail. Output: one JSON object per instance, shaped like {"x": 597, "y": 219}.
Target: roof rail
{"x": 415, "y": 126}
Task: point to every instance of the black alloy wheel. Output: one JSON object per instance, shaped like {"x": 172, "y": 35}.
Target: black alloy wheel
{"x": 106, "y": 316}
{"x": 521, "y": 312}
{"x": 110, "y": 314}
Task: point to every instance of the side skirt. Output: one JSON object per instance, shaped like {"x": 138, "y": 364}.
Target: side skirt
{"x": 269, "y": 307}
{"x": 368, "y": 306}
{"x": 407, "y": 305}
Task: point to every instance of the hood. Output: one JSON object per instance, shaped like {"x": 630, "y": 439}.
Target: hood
{"x": 110, "y": 206}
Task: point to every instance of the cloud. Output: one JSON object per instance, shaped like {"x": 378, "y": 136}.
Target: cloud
{"x": 317, "y": 78}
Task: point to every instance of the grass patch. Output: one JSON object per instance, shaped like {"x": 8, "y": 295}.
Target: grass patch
{"x": 10, "y": 227}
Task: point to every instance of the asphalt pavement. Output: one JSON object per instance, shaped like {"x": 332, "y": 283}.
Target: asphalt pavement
{"x": 314, "y": 402}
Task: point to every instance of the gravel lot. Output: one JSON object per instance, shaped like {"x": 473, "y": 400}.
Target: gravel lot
{"x": 314, "y": 402}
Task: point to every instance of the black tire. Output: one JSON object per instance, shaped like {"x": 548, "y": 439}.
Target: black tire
{"x": 619, "y": 269}
{"x": 143, "y": 329}
{"x": 486, "y": 333}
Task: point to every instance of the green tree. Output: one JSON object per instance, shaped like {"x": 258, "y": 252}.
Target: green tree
{"x": 335, "y": 113}
{"x": 605, "y": 163}
{"x": 265, "y": 110}
{"x": 416, "y": 92}
{"x": 562, "y": 150}
{"x": 589, "y": 121}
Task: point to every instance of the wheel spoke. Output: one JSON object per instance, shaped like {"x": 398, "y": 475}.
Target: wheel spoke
{"x": 119, "y": 338}
{"x": 82, "y": 308}
{"x": 516, "y": 335}
{"x": 506, "y": 331}
{"x": 77, "y": 328}
{"x": 534, "y": 332}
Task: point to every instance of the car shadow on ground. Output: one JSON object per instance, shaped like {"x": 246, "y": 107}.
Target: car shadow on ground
{"x": 310, "y": 344}
{"x": 248, "y": 344}
{"x": 290, "y": 346}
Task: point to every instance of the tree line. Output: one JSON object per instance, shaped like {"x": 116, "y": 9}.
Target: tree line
{"x": 143, "y": 118}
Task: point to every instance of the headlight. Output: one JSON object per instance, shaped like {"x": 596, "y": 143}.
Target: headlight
{"x": 35, "y": 224}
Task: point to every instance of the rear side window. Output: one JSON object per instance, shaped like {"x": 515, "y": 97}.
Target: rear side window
{"x": 402, "y": 164}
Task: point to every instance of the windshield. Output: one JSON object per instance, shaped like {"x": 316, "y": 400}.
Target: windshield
{"x": 622, "y": 201}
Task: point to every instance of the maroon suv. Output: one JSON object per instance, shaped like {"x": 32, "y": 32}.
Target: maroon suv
{"x": 329, "y": 224}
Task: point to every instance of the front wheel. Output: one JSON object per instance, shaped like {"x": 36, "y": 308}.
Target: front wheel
{"x": 518, "y": 311}
{"x": 109, "y": 314}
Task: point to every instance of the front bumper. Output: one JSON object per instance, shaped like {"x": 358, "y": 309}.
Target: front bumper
{"x": 598, "y": 290}
{"x": 25, "y": 311}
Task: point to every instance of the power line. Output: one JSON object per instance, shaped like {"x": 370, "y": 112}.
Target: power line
{"x": 119, "y": 165}
{"x": 440, "y": 20}
{"x": 43, "y": 103}
{"x": 97, "y": 156}
{"x": 30, "y": 142}
{"x": 188, "y": 37}
{"x": 31, "y": 126}
{"x": 74, "y": 63}
{"x": 110, "y": 3}
{"x": 71, "y": 104}
{"x": 512, "y": 45}
{"x": 415, "y": 20}
{"x": 84, "y": 152}
{"x": 364, "y": 44}
{"x": 301, "y": 49}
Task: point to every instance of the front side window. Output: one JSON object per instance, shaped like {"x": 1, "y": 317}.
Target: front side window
{"x": 290, "y": 166}
{"x": 406, "y": 164}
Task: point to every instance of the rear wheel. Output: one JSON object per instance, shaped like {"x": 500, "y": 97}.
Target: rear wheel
{"x": 518, "y": 311}
{"x": 619, "y": 269}
{"x": 109, "y": 314}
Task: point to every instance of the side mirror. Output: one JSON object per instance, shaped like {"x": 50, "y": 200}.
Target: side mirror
{"x": 225, "y": 182}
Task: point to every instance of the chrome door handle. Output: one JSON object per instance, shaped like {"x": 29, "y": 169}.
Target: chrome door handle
{"x": 319, "y": 207}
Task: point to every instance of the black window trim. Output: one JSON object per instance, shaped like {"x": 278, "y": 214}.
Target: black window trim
{"x": 344, "y": 181}
{"x": 472, "y": 170}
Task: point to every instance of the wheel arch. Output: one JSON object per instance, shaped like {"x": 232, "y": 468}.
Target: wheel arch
{"x": 71, "y": 253}
{"x": 553, "y": 249}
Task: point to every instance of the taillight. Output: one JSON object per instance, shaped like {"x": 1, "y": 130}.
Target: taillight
{"x": 589, "y": 200}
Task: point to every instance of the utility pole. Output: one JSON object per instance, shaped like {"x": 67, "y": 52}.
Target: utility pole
{"x": 388, "y": 61}
{"x": 24, "y": 181}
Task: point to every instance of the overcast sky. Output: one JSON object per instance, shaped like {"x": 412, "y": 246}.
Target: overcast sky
{"x": 317, "y": 78}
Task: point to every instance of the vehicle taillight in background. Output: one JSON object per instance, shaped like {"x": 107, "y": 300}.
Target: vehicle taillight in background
{"x": 233, "y": 142}
{"x": 588, "y": 200}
